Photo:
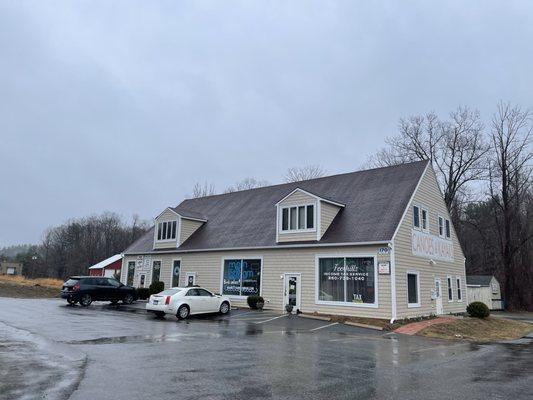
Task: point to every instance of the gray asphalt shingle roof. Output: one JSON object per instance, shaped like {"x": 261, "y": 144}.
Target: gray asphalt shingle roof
{"x": 375, "y": 201}
{"x": 481, "y": 280}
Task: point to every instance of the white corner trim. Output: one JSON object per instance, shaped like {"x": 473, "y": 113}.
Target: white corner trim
{"x": 318, "y": 222}
{"x": 394, "y": 310}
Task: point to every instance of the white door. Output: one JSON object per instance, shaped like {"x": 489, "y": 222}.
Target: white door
{"x": 438, "y": 296}
{"x": 291, "y": 293}
{"x": 109, "y": 273}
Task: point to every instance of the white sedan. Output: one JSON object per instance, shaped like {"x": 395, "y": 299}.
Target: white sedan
{"x": 185, "y": 301}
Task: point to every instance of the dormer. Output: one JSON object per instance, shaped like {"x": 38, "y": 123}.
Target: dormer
{"x": 304, "y": 216}
{"x": 173, "y": 228}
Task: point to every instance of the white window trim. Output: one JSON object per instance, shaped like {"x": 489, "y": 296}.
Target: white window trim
{"x": 449, "y": 286}
{"x": 426, "y": 229}
{"x": 419, "y": 227}
{"x": 280, "y": 218}
{"x": 445, "y": 233}
{"x": 172, "y": 271}
{"x": 375, "y": 304}
{"x": 240, "y": 257}
{"x": 413, "y": 272}
{"x": 152, "y": 271}
{"x": 459, "y": 288}
{"x": 439, "y": 218}
{"x": 167, "y": 222}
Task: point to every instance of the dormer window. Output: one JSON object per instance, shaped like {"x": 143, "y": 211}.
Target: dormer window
{"x": 298, "y": 218}
{"x": 167, "y": 230}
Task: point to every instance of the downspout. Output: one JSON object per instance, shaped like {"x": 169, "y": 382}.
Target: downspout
{"x": 392, "y": 282}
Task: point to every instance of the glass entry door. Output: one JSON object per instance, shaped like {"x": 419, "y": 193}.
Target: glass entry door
{"x": 292, "y": 291}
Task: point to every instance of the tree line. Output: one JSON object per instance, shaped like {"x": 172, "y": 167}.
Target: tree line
{"x": 485, "y": 175}
{"x": 71, "y": 248}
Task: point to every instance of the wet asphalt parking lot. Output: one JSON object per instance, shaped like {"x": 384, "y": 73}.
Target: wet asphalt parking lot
{"x": 49, "y": 350}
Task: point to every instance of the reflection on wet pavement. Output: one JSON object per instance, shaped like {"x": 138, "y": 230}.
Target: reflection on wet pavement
{"x": 246, "y": 355}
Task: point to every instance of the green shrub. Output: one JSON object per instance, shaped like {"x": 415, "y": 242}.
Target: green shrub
{"x": 253, "y": 300}
{"x": 478, "y": 309}
{"x": 143, "y": 293}
{"x": 157, "y": 287}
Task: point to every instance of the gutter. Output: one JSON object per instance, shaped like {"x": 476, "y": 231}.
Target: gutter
{"x": 290, "y": 246}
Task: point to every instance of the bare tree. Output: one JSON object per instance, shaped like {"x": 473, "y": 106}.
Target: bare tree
{"x": 455, "y": 147}
{"x": 296, "y": 174}
{"x": 509, "y": 186}
{"x": 203, "y": 190}
{"x": 460, "y": 153}
{"x": 245, "y": 184}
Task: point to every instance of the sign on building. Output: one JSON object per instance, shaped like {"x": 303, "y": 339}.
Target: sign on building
{"x": 431, "y": 246}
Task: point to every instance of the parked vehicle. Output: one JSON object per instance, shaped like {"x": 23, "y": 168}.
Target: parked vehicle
{"x": 86, "y": 289}
{"x": 185, "y": 301}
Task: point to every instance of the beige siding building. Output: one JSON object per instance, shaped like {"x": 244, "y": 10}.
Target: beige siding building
{"x": 376, "y": 243}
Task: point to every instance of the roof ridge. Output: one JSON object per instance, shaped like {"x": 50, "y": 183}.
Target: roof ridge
{"x": 306, "y": 180}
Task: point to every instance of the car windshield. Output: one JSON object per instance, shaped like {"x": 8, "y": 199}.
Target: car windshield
{"x": 71, "y": 282}
{"x": 170, "y": 292}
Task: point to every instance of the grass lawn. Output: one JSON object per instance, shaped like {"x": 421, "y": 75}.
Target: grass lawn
{"x": 479, "y": 330}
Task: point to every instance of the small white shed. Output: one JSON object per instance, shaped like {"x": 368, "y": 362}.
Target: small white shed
{"x": 486, "y": 289}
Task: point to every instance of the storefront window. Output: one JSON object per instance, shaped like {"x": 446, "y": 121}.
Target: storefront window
{"x": 156, "y": 271}
{"x": 241, "y": 277}
{"x": 131, "y": 273}
{"x": 176, "y": 268}
{"x": 347, "y": 280}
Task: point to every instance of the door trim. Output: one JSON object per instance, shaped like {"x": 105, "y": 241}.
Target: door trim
{"x": 438, "y": 279}
{"x": 298, "y": 290}
{"x": 193, "y": 274}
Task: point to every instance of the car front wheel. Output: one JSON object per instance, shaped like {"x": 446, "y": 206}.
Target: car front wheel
{"x": 128, "y": 299}
{"x": 86, "y": 300}
{"x": 183, "y": 312}
{"x": 224, "y": 308}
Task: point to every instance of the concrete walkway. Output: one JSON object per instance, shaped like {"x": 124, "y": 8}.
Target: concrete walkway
{"x": 415, "y": 327}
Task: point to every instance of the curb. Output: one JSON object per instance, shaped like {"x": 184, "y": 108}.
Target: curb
{"x": 315, "y": 317}
{"x": 359, "y": 325}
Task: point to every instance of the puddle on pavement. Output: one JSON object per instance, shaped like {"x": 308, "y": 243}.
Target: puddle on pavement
{"x": 175, "y": 337}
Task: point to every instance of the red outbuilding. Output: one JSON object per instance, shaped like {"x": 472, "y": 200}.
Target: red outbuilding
{"x": 109, "y": 267}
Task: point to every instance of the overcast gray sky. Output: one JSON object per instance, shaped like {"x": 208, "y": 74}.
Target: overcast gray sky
{"x": 124, "y": 105}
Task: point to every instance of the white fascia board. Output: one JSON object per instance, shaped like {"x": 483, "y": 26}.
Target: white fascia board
{"x": 168, "y": 208}
{"x": 408, "y": 206}
{"x": 288, "y": 246}
{"x": 314, "y": 196}
{"x": 191, "y": 218}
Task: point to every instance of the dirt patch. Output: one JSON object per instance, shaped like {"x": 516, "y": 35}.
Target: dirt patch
{"x": 479, "y": 330}
{"x": 27, "y": 291}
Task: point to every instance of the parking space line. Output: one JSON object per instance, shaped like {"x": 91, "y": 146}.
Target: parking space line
{"x": 324, "y": 326}
{"x": 272, "y": 319}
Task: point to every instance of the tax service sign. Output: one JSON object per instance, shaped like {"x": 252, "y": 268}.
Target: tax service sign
{"x": 431, "y": 246}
